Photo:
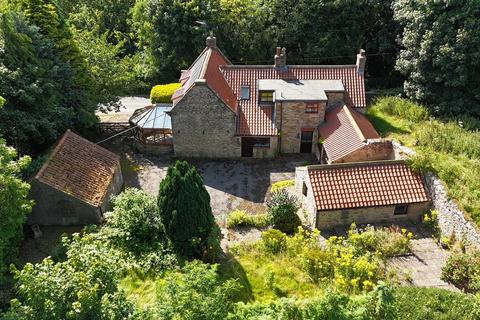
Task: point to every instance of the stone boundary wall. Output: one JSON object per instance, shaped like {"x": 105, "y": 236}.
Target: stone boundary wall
{"x": 451, "y": 218}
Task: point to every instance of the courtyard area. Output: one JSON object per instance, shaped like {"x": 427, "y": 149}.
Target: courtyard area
{"x": 232, "y": 184}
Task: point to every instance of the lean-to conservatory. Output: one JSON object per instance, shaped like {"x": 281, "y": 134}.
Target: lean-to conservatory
{"x": 153, "y": 128}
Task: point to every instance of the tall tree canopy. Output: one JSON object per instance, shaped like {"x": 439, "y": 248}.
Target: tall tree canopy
{"x": 184, "y": 206}
{"x": 14, "y": 203}
{"x": 441, "y": 54}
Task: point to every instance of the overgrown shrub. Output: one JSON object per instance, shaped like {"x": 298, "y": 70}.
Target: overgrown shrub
{"x": 463, "y": 271}
{"x": 197, "y": 292}
{"x": 385, "y": 241}
{"x": 430, "y": 220}
{"x": 282, "y": 211}
{"x": 162, "y": 93}
{"x": 274, "y": 241}
{"x": 449, "y": 138}
{"x": 241, "y": 218}
{"x": 281, "y": 185}
{"x": 135, "y": 221}
{"x": 400, "y": 107}
{"x": 14, "y": 204}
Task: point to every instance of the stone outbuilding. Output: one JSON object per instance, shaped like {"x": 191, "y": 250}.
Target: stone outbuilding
{"x": 348, "y": 136}
{"x": 362, "y": 192}
{"x": 75, "y": 184}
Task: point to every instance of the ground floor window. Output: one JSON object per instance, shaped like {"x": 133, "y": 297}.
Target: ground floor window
{"x": 400, "y": 209}
{"x": 261, "y": 142}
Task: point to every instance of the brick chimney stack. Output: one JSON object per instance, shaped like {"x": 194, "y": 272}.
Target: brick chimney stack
{"x": 361, "y": 60}
{"x": 281, "y": 58}
{"x": 211, "y": 42}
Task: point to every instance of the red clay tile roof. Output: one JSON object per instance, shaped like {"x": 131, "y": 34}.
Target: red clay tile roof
{"x": 255, "y": 120}
{"x": 206, "y": 66}
{"x": 365, "y": 184}
{"x": 79, "y": 168}
{"x": 344, "y": 131}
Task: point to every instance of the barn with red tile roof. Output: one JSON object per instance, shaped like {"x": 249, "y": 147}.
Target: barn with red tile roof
{"x": 361, "y": 192}
{"x": 75, "y": 184}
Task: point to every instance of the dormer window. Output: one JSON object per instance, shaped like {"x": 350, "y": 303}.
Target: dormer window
{"x": 245, "y": 93}
{"x": 265, "y": 96}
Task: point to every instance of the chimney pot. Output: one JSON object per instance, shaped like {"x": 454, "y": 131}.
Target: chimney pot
{"x": 211, "y": 42}
{"x": 280, "y": 59}
{"x": 361, "y": 60}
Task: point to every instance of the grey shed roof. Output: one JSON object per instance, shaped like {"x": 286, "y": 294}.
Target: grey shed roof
{"x": 300, "y": 90}
{"x": 152, "y": 117}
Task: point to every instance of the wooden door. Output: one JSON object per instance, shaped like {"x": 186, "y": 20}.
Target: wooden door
{"x": 306, "y": 142}
{"x": 247, "y": 147}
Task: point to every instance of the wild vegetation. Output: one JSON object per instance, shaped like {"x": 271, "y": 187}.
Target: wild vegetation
{"x": 62, "y": 60}
{"x": 449, "y": 149}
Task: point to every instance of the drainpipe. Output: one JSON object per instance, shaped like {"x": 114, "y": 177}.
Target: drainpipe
{"x": 281, "y": 122}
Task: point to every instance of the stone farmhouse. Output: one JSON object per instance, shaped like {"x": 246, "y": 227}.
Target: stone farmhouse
{"x": 229, "y": 111}
{"x": 75, "y": 184}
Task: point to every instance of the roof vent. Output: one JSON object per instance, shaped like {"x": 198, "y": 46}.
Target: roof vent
{"x": 281, "y": 59}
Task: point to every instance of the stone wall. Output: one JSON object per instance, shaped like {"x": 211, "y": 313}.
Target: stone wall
{"x": 378, "y": 149}
{"x": 114, "y": 188}
{"x": 335, "y": 98}
{"x": 53, "y": 207}
{"x": 203, "y": 126}
{"x": 381, "y": 214}
{"x": 262, "y": 153}
{"x": 307, "y": 203}
{"x": 290, "y": 118}
{"x": 450, "y": 218}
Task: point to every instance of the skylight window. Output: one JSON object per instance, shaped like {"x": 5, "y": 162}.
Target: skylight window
{"x": 244, "y": 92}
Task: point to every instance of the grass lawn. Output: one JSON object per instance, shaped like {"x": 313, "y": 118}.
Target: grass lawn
{"x": 446, "y": 148}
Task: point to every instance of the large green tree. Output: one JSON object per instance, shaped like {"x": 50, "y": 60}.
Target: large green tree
{"x": 37, "y": 85}
{"x": 184, "y": 206}
{"x": 441, "y": 54}
{"x": 14, "y": 203}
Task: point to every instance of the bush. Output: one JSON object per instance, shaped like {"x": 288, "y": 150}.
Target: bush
{"x": 402, "y": 108}
{"x": 162, "y": 93}
{"x": 281, "y": 185}
{"x": 463, "y": 271}
{"x": 196, "y": 293}
{"x": 282, "y": 211}
{"x": 241, "y": 218}
{"x": 385, "y": 241}
{"x": 274, "y": 241}
{"x": 14, "y": 204}
{"x": 449, "y": 138}
{"x": 135, "y": 221}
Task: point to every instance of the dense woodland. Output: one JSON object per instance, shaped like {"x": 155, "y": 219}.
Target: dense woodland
{"x": 62, "y": 60}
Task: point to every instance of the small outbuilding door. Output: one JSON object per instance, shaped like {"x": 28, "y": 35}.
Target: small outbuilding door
{"x": 306, "y": 142}
{"x": 247, "y": 147}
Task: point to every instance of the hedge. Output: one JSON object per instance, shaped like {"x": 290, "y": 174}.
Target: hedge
{"x": 162, "y": 93}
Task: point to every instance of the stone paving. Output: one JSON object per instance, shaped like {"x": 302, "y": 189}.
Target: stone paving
{"x": 424, "y": 267}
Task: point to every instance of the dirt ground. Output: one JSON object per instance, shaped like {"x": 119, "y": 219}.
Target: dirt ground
{"x": 232, "y": 184}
